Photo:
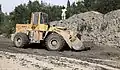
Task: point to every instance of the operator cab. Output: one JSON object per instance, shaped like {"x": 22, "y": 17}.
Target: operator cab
{"x": 39, "y": 21}
{"x": 39, "y": 18}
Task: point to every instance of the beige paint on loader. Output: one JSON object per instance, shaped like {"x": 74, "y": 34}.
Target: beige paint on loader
{"x": 55, "y": 38}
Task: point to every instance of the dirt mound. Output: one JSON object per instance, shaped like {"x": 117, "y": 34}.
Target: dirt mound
{"x": 112, "y": 32}
{"x": 101, "y": 28}
{"x": 76, "y": 20}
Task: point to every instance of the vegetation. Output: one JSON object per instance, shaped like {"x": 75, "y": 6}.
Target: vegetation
{"x": 22, "y": 13}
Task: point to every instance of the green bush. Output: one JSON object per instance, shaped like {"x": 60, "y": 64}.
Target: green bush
{"x": 7, "y": 29}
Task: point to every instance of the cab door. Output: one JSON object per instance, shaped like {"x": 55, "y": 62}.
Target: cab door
{"x": 40, "y": 21}
{"x": 35, "y": 20}
{"x": 35, "y": 27}
{"x": 43, "y": 26}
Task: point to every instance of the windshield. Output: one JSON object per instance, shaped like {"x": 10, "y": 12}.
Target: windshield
{"x": 44, "y": 18}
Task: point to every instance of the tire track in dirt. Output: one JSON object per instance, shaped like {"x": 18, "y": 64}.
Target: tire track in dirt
{"x": 89, "y": 55}
{"x": 54, "y": 63}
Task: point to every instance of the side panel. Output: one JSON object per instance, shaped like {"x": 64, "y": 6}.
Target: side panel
{"x": 23, "y": 28}
{"x": 37, "y": 35}
{"x": 34, "y": 36}
{"x": 41, "y": 27}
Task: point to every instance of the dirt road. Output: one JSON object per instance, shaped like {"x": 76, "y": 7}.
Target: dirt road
{"x": 97, "y": 58}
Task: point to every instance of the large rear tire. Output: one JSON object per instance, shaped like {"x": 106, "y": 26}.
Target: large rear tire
{"x": 54, "y": 42}
{"x": 21, "y": 40}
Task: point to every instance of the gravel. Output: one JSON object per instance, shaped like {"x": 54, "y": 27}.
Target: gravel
{"x": 102, "y": 29}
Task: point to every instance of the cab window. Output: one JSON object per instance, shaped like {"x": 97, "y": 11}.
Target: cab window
{"x": 44, "y": 18}
{"x": 36, "y": 16}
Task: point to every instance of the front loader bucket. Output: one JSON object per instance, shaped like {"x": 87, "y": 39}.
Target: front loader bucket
{"x": 72, "y": 40}
{"x": 77, "y": 44}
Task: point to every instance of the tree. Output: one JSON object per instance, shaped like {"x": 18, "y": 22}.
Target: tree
{"x": 54, "y": 13}
{"x": 105, "y": 6}
{"x": 71, "y": 10}
{"x": 0, "y": 18}
{"x": 0, "y": 8}
{"x": 68, "y": 3}
{"x": 21, "y": 14}
{"x": 80, "y": 8}
{"x": 102, "y": 6}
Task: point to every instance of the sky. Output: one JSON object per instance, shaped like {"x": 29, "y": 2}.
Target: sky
{"x": 9, "y": 5}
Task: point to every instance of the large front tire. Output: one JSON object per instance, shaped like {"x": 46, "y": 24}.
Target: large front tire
{"x": 21, "y": 40}
{"x": 54, "y": 42}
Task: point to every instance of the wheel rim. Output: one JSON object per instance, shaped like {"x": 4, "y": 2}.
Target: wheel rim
{"x": 18, "y": 42}
{"x": 54, "y": 44}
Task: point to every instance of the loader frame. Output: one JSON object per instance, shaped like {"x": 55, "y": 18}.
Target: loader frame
{"x": 39, "y": 29}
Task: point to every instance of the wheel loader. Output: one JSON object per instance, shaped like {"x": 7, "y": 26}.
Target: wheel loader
{"x": 38, "y": 30}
